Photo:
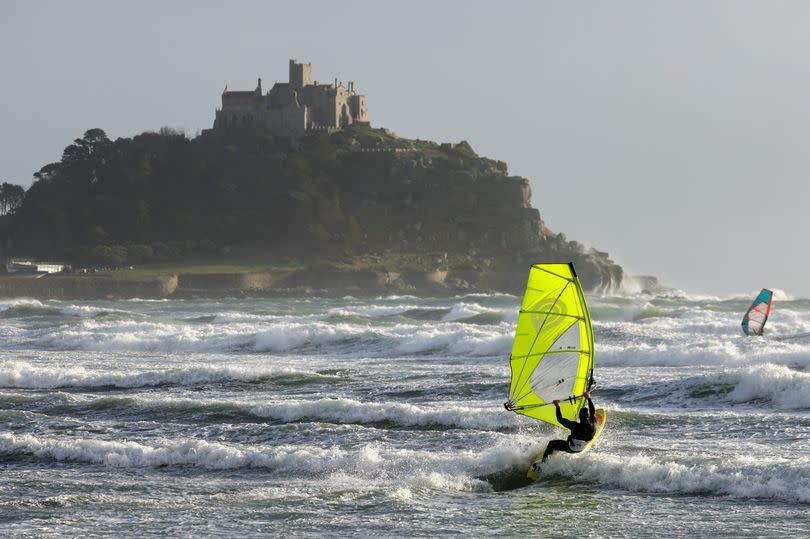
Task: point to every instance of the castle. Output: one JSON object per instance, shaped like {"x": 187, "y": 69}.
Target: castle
{"x": 290, "y": 109}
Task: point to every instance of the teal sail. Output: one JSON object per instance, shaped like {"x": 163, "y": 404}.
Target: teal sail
{"x": 757, "y": 314}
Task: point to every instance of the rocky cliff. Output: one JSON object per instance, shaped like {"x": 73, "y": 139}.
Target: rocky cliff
{"x": 365, "y": 204}
{"x": 428, "y": 197}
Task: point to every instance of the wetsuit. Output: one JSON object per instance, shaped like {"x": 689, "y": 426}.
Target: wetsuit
{"x": 581, "y": 433}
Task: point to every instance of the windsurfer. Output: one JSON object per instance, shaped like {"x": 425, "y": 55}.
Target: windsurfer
{"x": 582, "y": 431}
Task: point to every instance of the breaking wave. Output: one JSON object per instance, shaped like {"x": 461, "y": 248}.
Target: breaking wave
{"x": 23, "y": 308}
{"x": 401, "y": 414}
{"x": 24, "y": 375}
{"x": 453, "y": 338}
{"x": 740, "y": 478}
{"x": 209, "y": 455}
{"x": 770, "y": 386}
{"x": 344, "y": 411}
{"x": 370, "y": 462}
{"x": 785, "y": 481}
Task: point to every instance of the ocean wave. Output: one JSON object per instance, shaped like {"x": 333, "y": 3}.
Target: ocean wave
{"x": 456, "y": 309}
{"x": 373, "y": 310}
{"x": 344, "y": 410}
{"x": 487, "y": 318}
{"x": 784, "y": 388}
{"x": 488, "y": 295}
{"x": 796, "y": 336}
{"x": 657, "y": 349}
{"x": 462, "y": 310}
{"x": 368, "y": 465}
{"x": 640, "y": 473}
{"x": 768, "y": 385}
{"x": 21, "y": 308}
{"x": 426, "y": 313}
{"x": 376, "y": 465}
{"x": 455, "y": 312}
{"x": 191, "y": 452}
{"x": 622, "y": 310}
{"x": 280, "y": 336}
{"x": 372, "y": 466}
{"x": 90, "y": 311}
{"x": 649, "y": 310}
{"x": 454, "y": 340}
{"x": 27, "y": 376}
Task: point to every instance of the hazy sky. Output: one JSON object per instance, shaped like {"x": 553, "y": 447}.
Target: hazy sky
{"x": 674, "y": 135}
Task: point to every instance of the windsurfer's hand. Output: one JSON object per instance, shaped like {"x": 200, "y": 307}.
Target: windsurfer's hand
{"x": 556, "y": 403}
{"x": 587, "y": 394}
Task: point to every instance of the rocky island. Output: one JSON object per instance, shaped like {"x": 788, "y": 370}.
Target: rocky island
{"x": 247, "y": 209}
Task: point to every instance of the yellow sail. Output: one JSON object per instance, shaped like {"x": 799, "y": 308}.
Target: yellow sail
{"x": 552, "y": 356}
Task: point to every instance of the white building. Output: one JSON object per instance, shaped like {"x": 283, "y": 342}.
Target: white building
{"x": 26, "y": 266}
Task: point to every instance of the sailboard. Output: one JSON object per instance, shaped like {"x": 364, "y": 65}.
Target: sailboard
{"x": 753, "y": 321}
{"x": 552, "y": 356}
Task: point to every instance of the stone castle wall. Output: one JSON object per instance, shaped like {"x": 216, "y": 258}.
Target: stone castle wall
{"x": 292, "y": 108}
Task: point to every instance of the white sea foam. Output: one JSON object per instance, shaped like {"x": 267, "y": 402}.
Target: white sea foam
{"x": 236, "y": 317}
{"x": 20, "y": 374}
{"x": 370, "y": 462}
{"x": 34, "y": 307}
{"x": 20, "y": 302}
{"x": 767, "y": 385}
{"x": 373, "y": 310}
{"x": 344, "y": 410}
{"x": 464, "y": 310}
{"x": 276, "y": 336}
{"x": 785, "y": 388}
{"x": 454, "y": 339}
{"x": 332, "y": 410}
{"x": 780, "y": 295}
{"x": 641, "y": 353}
{"x": 191, "y": 452}
{"x": 663, "y": 348}
{"x": 88, "y": 311}
{"x": 643, "y": 473}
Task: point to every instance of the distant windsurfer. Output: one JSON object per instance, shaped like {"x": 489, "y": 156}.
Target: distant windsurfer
{"x": 582, "y": 431}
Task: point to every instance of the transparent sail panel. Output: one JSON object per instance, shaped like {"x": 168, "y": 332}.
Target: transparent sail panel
{"x": 554, "y": 376}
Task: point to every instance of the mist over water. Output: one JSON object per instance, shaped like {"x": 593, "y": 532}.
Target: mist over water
{"x": 337, "y": 417}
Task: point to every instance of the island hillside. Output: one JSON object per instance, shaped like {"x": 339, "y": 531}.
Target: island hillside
{"x": 357, "y": 211}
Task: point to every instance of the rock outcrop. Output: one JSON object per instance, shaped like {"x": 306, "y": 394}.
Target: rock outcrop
{"x": 429, "y": 197}
{"x": 378, "y": 211}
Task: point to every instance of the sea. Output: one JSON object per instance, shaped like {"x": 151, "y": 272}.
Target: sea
{"x": 383, "y": 417}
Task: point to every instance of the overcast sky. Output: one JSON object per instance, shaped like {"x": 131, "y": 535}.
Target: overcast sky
{"x": 672, "y": 134}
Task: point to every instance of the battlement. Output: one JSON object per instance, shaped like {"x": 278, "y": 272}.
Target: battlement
{"x": 292, "y": 108}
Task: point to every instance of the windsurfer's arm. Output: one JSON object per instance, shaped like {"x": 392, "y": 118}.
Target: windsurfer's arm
{"x": 560, "y": 419}
{"x": 591, "y": 407}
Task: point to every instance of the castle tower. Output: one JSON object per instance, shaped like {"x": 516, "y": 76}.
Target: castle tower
{"x": 300, "y": 75}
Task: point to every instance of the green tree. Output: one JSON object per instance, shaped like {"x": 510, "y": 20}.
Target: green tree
{"x": 11, "y": 196}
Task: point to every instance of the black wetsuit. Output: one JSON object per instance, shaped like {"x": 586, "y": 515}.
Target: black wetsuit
{"x": 581, "y": 431}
